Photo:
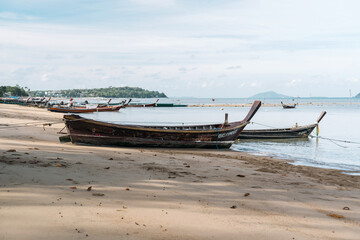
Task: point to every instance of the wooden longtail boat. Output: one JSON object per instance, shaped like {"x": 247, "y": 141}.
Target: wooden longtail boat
{"x": 281, "y": 133}
{"x": 123, "y": 104}
{"x": 143, "y": 105}
{"x": 71, "y": 109}
{"x": 29, "y": 101}
{"x": 87, "y": 131}
{"x": 109, "y": 108}
{"x": 288, "y": 105}
{"x": 84, "y": 110}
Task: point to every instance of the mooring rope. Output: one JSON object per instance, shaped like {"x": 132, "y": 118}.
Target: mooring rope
{"x": 217, "y": 139}
{"x": 335, "y": 140}
{"x": 29, "y": 124}
{"x": 336, "y": 143}
{"x": 263, "y": 125}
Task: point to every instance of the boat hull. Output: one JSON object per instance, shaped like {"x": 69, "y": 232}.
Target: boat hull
{"x": 69, "y": 110}
{"x": 85, "y": 110}
{"x": 142, "y": 105}
{"x": 144, "y": 142}
{"x": 109, "y": 108}
{"x": 87, "y": 131}
{"x": 287, "y": 106}
{"x": 279, "y": 133}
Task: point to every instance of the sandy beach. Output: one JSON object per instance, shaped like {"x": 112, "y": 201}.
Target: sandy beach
{"x": 53, "y": 190}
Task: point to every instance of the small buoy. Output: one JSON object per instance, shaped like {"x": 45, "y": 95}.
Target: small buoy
{"x": 221, "y": 108}
{"x": 213, "y": 99}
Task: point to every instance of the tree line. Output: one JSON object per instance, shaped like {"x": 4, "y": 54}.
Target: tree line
{"x": 110, "y": 92}
{"x": 13, "y": 91}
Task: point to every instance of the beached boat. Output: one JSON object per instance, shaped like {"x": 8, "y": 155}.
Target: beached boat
{"x": 124, "y": 104}
{"x": 143, "y": 105}
{"x": 87, "y": 131}
{"x": 62, "y": 109}
{"x": 29, "y": 101}
{"x": 288, "y": 105}
{"x": 84, "y": 110}
{"x": 109, "y": 108}
{"x": 281, "y": 133}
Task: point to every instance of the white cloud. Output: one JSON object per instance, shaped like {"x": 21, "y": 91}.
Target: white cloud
{"x": 44, "y": 77}
{"x": 234, "y": 67}
{"x": 353, "y": 80}
{"x": 298, "y": 41}
{"x": 155, "y": 3}
{"x": 16, "y": 16}
{"x": 255, "y": 84}
{"x": 294, "y": 82}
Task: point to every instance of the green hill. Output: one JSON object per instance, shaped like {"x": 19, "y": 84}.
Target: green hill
{"x": 270, "y": 94}
{"x": 110, "y": 92}
{"x": 12, "y": 91}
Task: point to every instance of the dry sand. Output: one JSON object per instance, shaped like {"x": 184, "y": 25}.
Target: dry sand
{"x": 160, "y": 193}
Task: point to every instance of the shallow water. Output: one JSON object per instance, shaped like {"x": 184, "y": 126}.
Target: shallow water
{"x": 340, "y": 123}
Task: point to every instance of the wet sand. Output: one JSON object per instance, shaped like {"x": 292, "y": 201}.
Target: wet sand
{"x": 52, "y": 190}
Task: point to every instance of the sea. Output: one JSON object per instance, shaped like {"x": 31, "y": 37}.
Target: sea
{"x": 337, "y": 146}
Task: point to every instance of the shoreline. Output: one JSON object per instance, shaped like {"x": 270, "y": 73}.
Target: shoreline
{"x": 264, "y": 104}
{"x": 146, "y": 193}
{"x": 271, "y": 104}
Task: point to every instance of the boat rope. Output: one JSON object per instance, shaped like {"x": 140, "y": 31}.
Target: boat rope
{"x": 61, "y": 131}
{"x": 335, "y": 140}
{"x": 217, "y": 139}
{"x": 263, "y": 125}
{"x": 29, "y": 124}
{"x": 337, "y": 143}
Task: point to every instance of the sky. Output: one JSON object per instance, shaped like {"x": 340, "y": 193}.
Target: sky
{"x": 184, "y": 48}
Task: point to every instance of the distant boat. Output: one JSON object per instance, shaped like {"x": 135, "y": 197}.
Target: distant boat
{"x": 71, "y": 109}
{"x": 288, "y": 105}
{"x": 84, "y": 110}
{"x": 143, "y": 105}
{"x": 222, "y": 135}
{"x": 124, "y": 103}
{"x": 281, "y": 133}
{"x": 30, "y": 101}
{"x": 109, "y": 108}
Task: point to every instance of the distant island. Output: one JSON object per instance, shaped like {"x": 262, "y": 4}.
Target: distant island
{"x": 358, "y": 96}
{"x": 270, "y": 94}
{"x": 110, "y": 92}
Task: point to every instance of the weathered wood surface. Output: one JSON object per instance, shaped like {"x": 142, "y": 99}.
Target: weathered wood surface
{"x": 281, "y": 133}
{"x": 278, "y": 133}
{"x": 93, "y": 132}
{"x": 84, "y": 110}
